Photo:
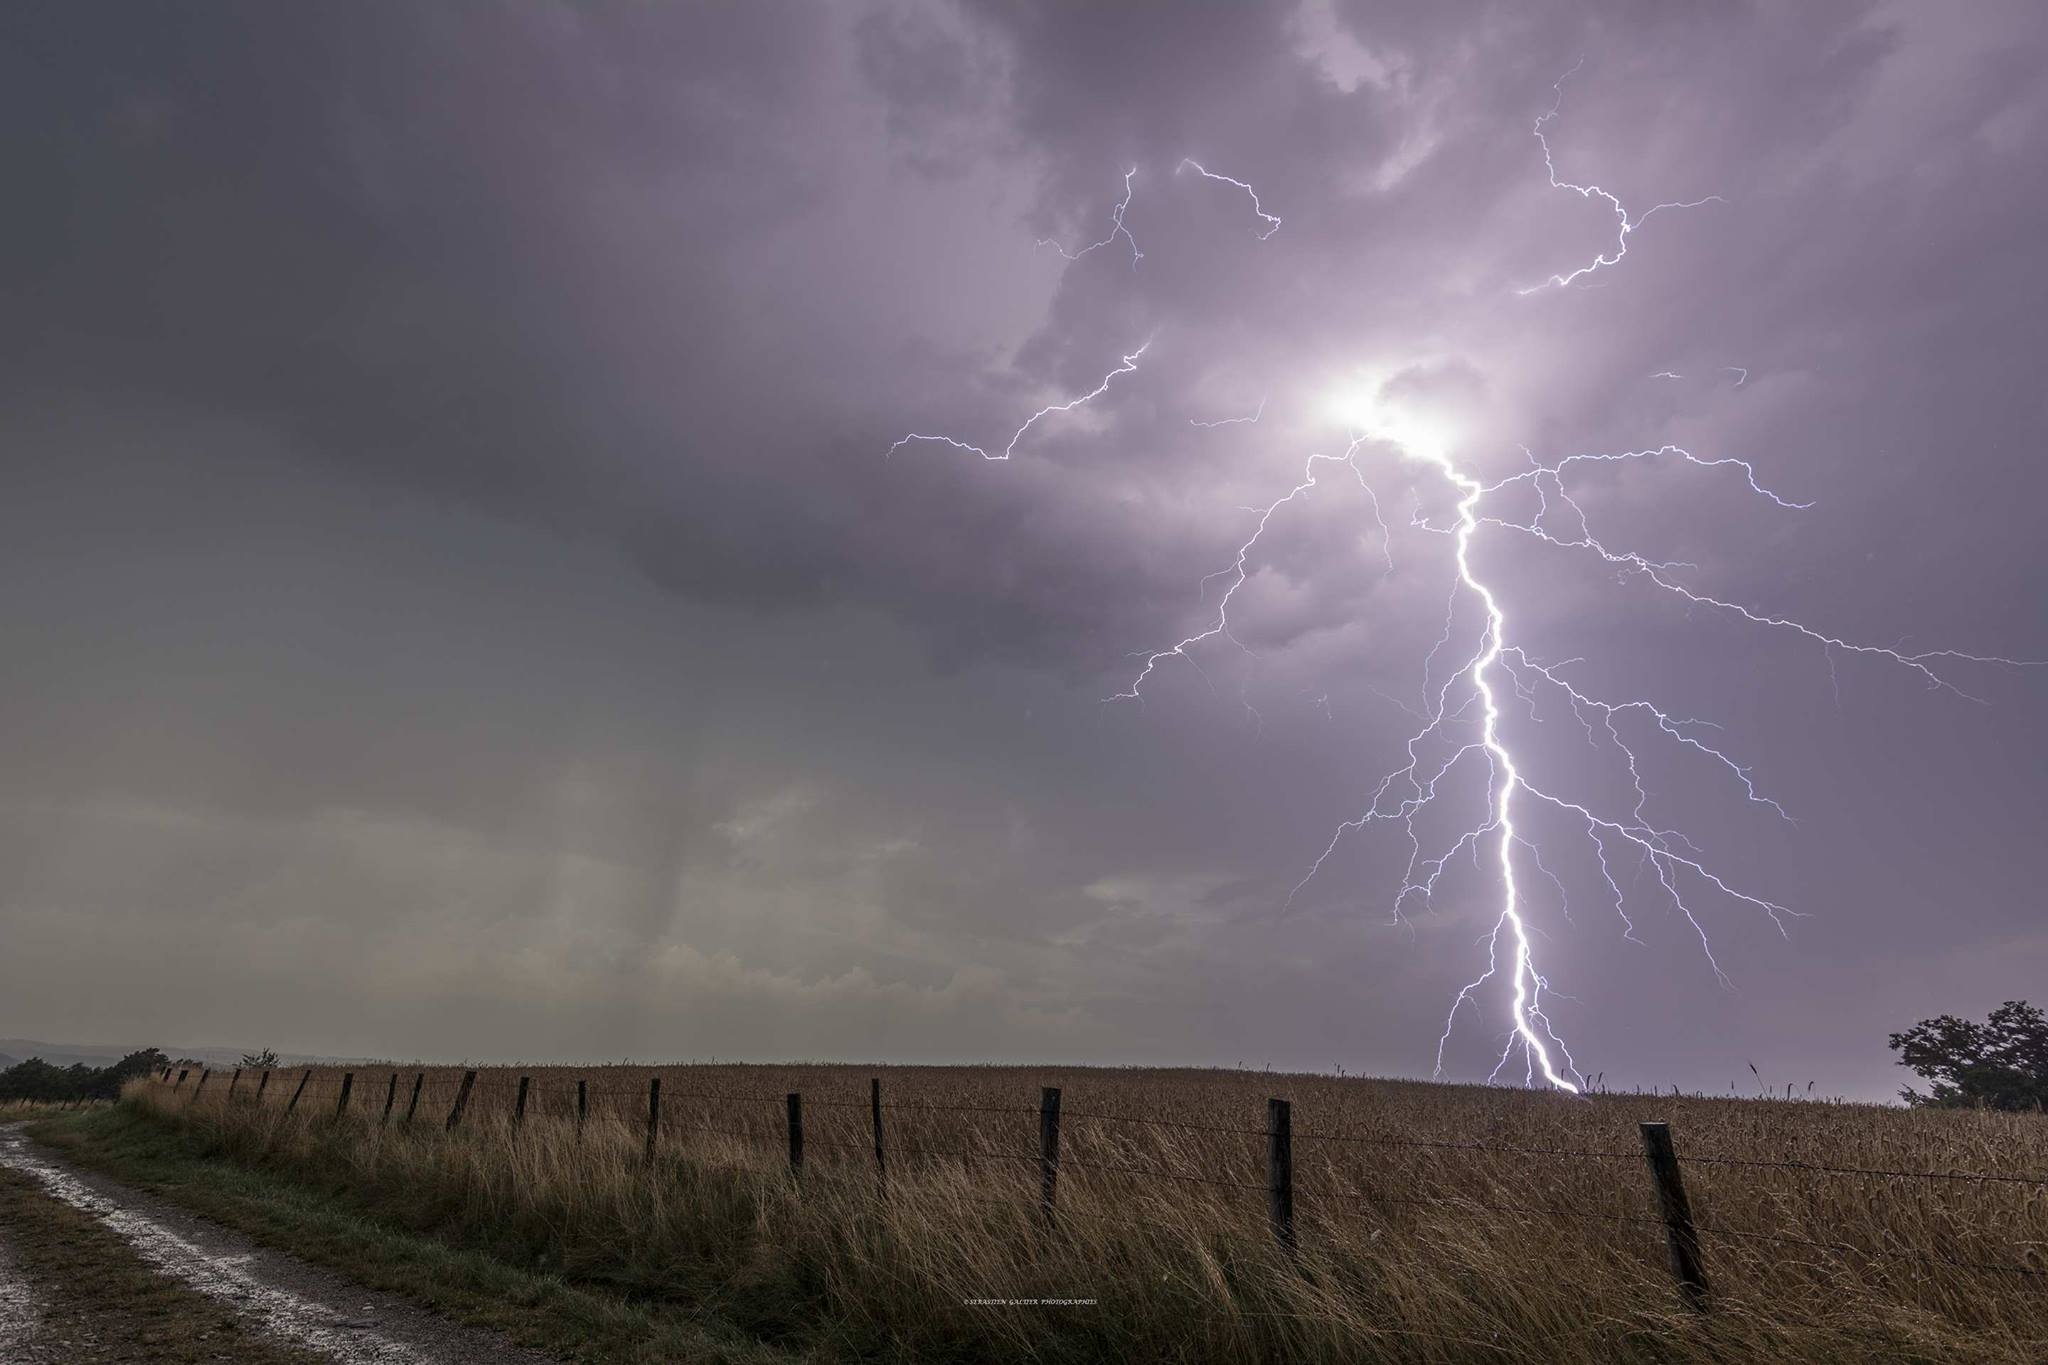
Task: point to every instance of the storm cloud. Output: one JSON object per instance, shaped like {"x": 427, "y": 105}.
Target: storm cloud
{"x": 461, "y": 596}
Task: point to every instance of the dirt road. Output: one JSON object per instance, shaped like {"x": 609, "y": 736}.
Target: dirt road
{"x": 21, "y": 1311}
{"x": 293, "y": 1303}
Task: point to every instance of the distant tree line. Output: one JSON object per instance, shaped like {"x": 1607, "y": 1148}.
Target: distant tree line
{"x": 36, "y": 1079}
{"x": 2001, "y": 1063}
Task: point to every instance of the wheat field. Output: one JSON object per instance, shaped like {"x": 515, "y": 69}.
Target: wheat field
{"x": 1433, "y": 1223}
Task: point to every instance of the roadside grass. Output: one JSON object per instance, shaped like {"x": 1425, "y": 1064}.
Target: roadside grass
{"x": 101, "y": 1302}
{"x": 13, "y": 1110}
{"x": 1437, "y": 1224}
{"x": 340, "y": 1228}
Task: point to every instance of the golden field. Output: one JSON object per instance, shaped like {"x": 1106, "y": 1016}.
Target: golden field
{"x": 1434, "y": 1223}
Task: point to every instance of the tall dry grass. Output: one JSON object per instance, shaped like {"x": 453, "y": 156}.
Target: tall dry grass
{"x": 1414, "y": 1244}
{"x": 11, "y": 1110}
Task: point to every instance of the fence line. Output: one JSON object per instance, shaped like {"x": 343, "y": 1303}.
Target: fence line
{"x": 1665, "y": 1163}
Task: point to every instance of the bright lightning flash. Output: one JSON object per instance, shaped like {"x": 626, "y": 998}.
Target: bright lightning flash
{"x": 1461, "y": 723}
{"x": 1504, "y": 778}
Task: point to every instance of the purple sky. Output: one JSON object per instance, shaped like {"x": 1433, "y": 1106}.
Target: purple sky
{"x": 460, "y": 600}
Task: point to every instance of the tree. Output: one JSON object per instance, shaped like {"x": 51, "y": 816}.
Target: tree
{"x": 2001, "y": 1063}
{"x": 107, "y": 1082}
{"x": 265, "y": 1060}
{"x": 36, "y": 1079}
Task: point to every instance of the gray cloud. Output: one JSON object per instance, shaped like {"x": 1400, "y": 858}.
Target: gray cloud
{"x": 453, "y": 552}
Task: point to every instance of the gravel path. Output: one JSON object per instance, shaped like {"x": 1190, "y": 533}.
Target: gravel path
{"x": 295, "y": 1302}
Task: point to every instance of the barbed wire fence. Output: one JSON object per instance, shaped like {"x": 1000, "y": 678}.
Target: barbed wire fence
{"x": 335, "y": 1098}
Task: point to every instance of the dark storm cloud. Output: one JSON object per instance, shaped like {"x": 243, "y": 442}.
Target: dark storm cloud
{"x": 555, "y": 264}
{"x": 532, "y": 288}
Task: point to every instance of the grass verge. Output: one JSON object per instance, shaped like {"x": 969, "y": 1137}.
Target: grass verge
{"x": 1437, "y": 1226}
{"x": 336, "y": 1228}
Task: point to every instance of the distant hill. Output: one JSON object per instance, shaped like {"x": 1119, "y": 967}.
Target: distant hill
{"x": 60, "y": 1054}
{"x": 7, "y": 1061}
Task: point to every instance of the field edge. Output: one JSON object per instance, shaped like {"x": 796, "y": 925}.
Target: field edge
{"x": 328, "y": 1228}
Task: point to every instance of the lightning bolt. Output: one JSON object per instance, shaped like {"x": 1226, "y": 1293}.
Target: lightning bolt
{"x": 1625, "y": 225}
{"x": 1128, "y": 365}
{"x": 1463, "y": 728}
{"x": 1272, "y": 223}
{"x": 1116, "y": 229}
{"x": 1462, "y": 721}
{"x": 1240, "y": 570}
{"x": 1502, "y": 781}
{"x": 1233, "y": 421}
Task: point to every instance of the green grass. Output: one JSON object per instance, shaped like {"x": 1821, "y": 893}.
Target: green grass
{"x": 343, "y": 1230}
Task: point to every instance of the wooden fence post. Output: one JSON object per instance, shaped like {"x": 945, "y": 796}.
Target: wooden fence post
{"x": 390, "y": 1099}
{"x": 796, "y": 1133}
{"x": 653, "y": 1113}
{"x": 1280, "y": 1171}
{"x": 582, "y": 1106}
{"x": 1683, "y": 1237}
{"x": 182, "y": 1074}
{"x": 260, "y": 1084}
{"x": 234, "y": 1081}
{"x": 189, "y": 1099}
{"x": 293, "y": 1103}
{"x": 348, "y": 1083}
{"x": 1048, "y": 1149}
{"x": 875, "y": 1113}
{"x": 461, "y": 1100}
{"x": 519, "y": 1106}
{"x": 412, "y": 1106}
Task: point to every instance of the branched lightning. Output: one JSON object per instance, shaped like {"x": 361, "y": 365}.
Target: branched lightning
{"x": 1625, "y": 225}
{"x": 1272, "y": 223}
{"x": 1240, "y": 570}
{"x": 1658, "y": 573}
{"x": 1130, "y": 363}
{"x": 1116, "y": 229}
{"x": 1462, "y": 729}
{"x": 1460, "y": 747}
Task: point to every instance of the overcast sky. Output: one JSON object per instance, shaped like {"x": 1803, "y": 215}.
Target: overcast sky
{"x": 460, "y": 599}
